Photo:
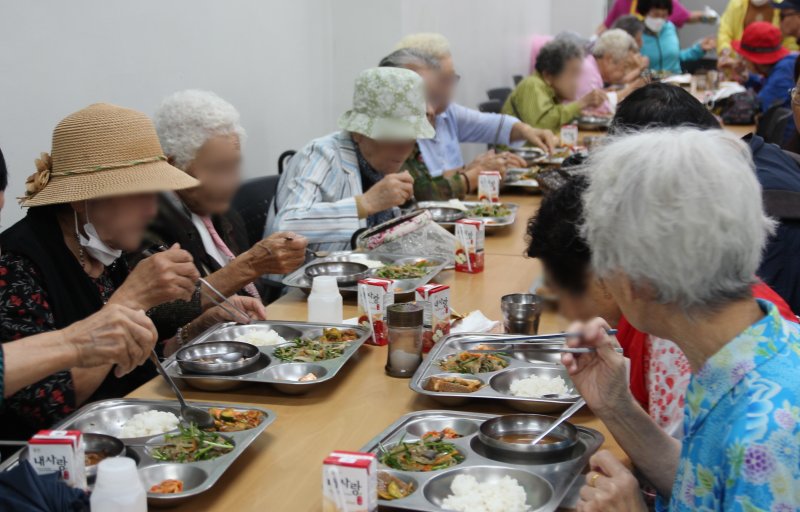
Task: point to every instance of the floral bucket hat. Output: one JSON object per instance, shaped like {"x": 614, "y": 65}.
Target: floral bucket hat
{"x": 388, "y": 104}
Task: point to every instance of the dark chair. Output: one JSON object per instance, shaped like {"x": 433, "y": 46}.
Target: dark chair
{"x": 500, "y": 94}
{"x": 518, "y": 79}
{"x": 284, "y": 158}
{"x": 492, "y": 106}
{"x": 772, "y": 124}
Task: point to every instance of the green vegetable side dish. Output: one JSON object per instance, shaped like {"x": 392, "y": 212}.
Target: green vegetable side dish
{"x": 307, "y": 351}
{"x": 424, "y": 455}
{"x": 489, "y": 210}
{"x": 471, "y": 362}
{"x": 191, "y": 445}
{"x": 407, "y": 271}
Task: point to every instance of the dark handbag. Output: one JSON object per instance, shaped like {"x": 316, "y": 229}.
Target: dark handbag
{"x": 738, "y": 109}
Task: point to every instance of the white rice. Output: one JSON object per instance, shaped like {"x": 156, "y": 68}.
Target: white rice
{"x": 536, "y": 386}
{"x": 504, "y": 495}
{"x": 262, "y": 338}
{"x": 149, "y": 423}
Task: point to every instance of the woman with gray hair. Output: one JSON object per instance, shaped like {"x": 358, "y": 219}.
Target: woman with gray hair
{"x": 201, "y": 135}
{"x": 676, "y": 227}
{"x": 537, "y": 100}
{"x": 609, "y": 63}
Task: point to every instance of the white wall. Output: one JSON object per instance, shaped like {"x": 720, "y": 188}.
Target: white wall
{"x": 288, "y": 66}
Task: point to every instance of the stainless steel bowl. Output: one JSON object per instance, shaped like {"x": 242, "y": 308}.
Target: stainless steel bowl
{"x": 110, "y": 420}
{"x": 292, "y": 373}
{"x": 501, "y": 383}
{"x": 527, "y": 426}
{"x": 445, "y": 213}
{"x": 537, "y": 489}
{"x": 191, "y": 476}
{"x": 108, "y": 445}
{"x": 345, "y": 272}
{"x": 208, "y": 358}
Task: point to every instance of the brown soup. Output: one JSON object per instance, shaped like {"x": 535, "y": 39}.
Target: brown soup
{"x": 528, "y": 437}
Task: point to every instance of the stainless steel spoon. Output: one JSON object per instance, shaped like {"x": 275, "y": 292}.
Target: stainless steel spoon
{"x": 189, "y": 414}
{"x": 561, "y": 419}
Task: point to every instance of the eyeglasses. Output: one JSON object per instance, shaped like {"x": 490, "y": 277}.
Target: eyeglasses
{"x": 794, "y": 93}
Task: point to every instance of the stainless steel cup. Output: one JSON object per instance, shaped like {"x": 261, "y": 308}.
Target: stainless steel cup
{"x": 521, "y": 313}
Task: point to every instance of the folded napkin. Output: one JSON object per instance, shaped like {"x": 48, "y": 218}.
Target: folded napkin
{"x": 21, "y": 488}
{"x": 474, "y": 322}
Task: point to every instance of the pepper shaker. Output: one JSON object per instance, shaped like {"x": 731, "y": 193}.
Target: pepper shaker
{"x": 405, "y": 339}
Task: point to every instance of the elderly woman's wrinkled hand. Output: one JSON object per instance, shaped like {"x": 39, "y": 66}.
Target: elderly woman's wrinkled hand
{"x": 279, "y": 253}
{"x": 600, "y": 376}
{"x": 610, "y": 486}
{"x": 593, "y": 99}
{"x": 253, "y": 307}
{"x": 114, "y": 335}
{"x": 543, "y": 139}
{"x": 164, "y": 277}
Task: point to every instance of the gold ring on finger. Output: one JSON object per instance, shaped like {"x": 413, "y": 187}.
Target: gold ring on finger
{"x": 593, "y": 480}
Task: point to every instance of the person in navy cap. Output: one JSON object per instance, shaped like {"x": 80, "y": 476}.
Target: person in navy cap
{"x": 790, "y": 17}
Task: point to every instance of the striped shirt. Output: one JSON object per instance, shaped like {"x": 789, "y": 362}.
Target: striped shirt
{"x": 316, "y": 194}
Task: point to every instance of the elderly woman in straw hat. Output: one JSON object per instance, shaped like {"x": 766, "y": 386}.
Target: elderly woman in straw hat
{"x": 88, "y": 204}
{"x": 201, "y": 134}
{"x": 352, "y": 179}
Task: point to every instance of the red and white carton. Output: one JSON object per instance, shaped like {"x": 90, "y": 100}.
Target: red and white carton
{"x": 59, "y": 451}
{"x": 489, "y": 186}
{"x": 374, "y": 296}
{"x": 435, "y": 299}
{"x": 350, "y": 482}
{"x": 569, "y": 135}
{"x": 470, "y": 236}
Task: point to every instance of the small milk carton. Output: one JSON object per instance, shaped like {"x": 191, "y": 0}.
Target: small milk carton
{"x": 489, "y": 186}
{"x": 470, "y": 234}
{"x": 374, "y": 296}
{"x": 435, "y": 298}
{"x": 349, "y": 482}
{"x": 59, "y": 451}
{"x": 569, "y": 135}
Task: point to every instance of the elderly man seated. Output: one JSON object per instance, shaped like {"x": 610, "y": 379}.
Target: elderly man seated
{"x": 201, "y": 135}
{"x": 456, "y": 124}
{"x": 351, "y": 179}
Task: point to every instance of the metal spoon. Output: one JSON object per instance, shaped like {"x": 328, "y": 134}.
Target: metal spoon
{"x": 561, "y": 419}
{"x": 189, "y": 414}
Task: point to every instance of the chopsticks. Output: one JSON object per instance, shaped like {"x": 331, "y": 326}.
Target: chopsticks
{"x": 532, "y": 348}
{"x": 535, "y": 338}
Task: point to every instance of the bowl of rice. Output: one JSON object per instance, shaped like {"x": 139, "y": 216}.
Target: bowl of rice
{"x": 537, "y": 388}
{"x": 488, "y": 489}
{"x": 515, "y": 432}
{"x": 149, "y": 423}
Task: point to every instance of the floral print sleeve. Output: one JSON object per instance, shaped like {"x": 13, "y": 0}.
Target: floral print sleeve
{"x": 24, "y": 311}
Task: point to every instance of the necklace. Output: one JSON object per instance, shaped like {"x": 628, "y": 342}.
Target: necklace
{"x": 81, "y": 257}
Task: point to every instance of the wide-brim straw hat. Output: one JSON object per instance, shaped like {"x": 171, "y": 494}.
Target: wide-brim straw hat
{"x": 388, "y": 104}
{"x": 103, "y": 151}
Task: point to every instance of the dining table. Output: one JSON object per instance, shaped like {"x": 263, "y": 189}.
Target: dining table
{"x": 282, "y": 469}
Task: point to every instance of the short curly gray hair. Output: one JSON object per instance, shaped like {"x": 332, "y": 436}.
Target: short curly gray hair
{"x": 554, "y": 55}
{"x": 185, "y": 120}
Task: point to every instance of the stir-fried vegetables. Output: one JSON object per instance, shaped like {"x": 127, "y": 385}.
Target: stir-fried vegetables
{"x": 489, "y": 210}
{"x": 392, "y": 488}
{"x": 306, "y": 351}
{"x": 168, "y": 487}
{"x": 422, "y": 455}
{"x": 407, "y": 271}
{"x": 190, "y": 445}
{"x": 438, "y": 435}
{"x": 333, "y": 335}
{"x": 470, "y": 362}
{"x": 231, "y": 420}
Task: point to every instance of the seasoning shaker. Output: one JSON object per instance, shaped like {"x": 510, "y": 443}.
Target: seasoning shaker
{"x": 404, "y": 322}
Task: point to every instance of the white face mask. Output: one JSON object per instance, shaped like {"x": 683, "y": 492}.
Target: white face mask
{"x": 654, "y": 24}
{"x": 96, "y": 248}
{"x": 759, "y": 3}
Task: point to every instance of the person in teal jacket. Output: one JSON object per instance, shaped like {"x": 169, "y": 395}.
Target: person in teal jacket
{"x": 660, "y": 40}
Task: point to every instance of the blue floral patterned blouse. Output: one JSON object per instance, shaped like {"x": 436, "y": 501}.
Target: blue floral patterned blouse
{"x": 741, "y": 446}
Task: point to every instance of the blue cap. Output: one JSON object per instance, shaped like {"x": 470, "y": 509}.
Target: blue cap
{"x": 786, "y": 4}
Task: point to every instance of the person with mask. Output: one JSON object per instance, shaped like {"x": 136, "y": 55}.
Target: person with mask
{"x": 738, "y": 15}
{"x": 660, "y": 41}
{"x": 88, "y": 203}
{"x": 679, "y": 17}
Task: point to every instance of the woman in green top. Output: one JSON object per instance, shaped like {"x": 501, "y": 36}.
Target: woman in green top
{"x": 537, "y": 100}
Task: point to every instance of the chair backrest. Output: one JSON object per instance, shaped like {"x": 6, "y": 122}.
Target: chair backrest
{"x": 284, "y": 158}
{"x": 493, "y": 106}
{"x": 518, "y": 79}
{"x": 500, "y": 94}
{"x": 252, "y": 202}
{"x": 772, "y": 124}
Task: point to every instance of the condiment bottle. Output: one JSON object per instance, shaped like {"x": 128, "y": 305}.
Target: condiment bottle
{"x": 118, "y": 487}
{"x": 405, "y": 339}
{"x": 325, "y": 301}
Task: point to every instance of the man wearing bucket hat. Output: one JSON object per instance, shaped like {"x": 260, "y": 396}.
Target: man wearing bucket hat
{"x": 770, "y": 66}
{"x": 90, "y": 202}
{"x": 351, "y": 179}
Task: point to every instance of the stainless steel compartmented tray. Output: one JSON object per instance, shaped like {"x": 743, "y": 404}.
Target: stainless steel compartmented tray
{"x": 522, "y": 364}
{"x": 491, "y": 222}
{"x": 298, "y": 278}
{"x": 547, "y": 480}
{"x": 108, "y": 416}
{"x": 270, "y": 370}
{"x": 514, "y": 178}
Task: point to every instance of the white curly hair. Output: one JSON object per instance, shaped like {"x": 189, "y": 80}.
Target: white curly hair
{"x": 435, "y": 45}
{"x": 185, "y": 120}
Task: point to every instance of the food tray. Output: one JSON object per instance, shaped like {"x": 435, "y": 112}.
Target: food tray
{"x": 490, "y": 222}
{"x": 521, "y": 364}
{"x": 298, "y": 278}
{"x": 269, "y": 369}
{"x": 108, "y": 416}
{"x": 551, "y": 478}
